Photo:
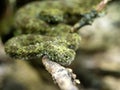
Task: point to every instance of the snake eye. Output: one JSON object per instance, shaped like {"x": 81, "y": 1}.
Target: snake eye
{"x": 51, "y": 16}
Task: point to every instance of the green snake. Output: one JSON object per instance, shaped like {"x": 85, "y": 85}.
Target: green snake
{"x": 43, "y": 28}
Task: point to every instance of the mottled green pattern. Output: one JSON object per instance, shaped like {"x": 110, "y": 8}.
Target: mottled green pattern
{"x": 37, "y": 17}
{"x": 46, "y": 28}
{"x": 35, "y": 46}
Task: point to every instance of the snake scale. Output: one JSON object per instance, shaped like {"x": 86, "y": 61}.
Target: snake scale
{"x": 43, "y": 28}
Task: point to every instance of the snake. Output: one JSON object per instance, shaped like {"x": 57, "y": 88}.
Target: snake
{"x": 43, "y": 29}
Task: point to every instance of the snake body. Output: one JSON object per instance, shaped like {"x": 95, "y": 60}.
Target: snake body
{"x": 43, "y": 28}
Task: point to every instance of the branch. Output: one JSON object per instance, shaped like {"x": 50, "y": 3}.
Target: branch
{"x": 64, "y": 77}
{"x": 102, "y": 5}
{"x": 88, "y": 18}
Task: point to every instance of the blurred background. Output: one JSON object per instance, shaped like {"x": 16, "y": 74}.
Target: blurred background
{"x": 97, "y": 63}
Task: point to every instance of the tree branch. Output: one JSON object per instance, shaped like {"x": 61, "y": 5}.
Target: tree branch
{"x": 102, "y": 5}
{"x": 64, "y": 77}
{"x": 88, "y": 18}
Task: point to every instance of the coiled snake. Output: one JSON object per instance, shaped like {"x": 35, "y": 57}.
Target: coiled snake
{"x": 43, "y": 28}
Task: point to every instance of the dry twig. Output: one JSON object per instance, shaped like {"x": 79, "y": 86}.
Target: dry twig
{"x": 102, "y": 5}
{"x": 64, "y": 77}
